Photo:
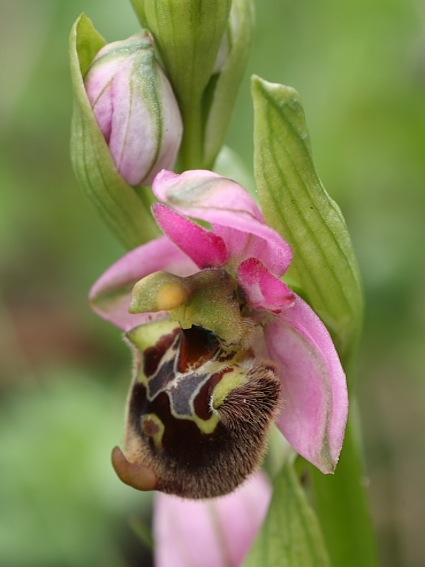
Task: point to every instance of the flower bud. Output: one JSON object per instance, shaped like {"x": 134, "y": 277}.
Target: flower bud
{"x": 127, "y": 215}
{"x": 189, "y": 35}
{"x": 135, "y": 108}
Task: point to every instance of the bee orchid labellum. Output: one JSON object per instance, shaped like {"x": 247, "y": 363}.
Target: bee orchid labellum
{"x": 197, "y": 402}
{"x": 194, "y": 409}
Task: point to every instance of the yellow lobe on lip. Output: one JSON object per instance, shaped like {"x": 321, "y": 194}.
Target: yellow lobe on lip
{"x": 171, "y": 296}
{"x": 137, "y": 476}
{"x": 160, "y": 291}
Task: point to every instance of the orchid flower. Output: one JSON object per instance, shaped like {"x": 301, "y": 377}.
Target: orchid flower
{"x": 223, "y": 347}
{"x": 210, "y": 533}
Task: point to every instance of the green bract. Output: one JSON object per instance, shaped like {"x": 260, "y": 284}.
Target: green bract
{"x": 117, "y": 202}
{"x": 204, "y": 46}
{"x": 224, "y": 84}
{"x": 291, "y": 535}
{"x": 188, "y": 34}
{"x": 296, "y": 204}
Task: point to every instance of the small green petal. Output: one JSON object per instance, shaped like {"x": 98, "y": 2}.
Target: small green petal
{"x": 116, "y": 201}
{"x": 296, "y": 204}
{"x": 290, "y": 536}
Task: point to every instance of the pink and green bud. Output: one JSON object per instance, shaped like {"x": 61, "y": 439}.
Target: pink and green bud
{"x": 135, "y": 108}
{"x": 116, "y": 200}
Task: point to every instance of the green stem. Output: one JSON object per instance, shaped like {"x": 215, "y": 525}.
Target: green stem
{"x": 342, "y": 507}
{"x": 191, "y": 149}
{"x": 145, "y": 194}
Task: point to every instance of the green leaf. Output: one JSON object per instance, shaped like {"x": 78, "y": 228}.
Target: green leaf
{"x": 296, "y": 204}
{"x": 143, "y": 532}
{"x": 290, "y": 536}
{"x": 117, "y": 202}
{"x": 188, "y": 34}
{"x": 226, "y": 82}
{"x": 139, "y": 8}
{"x": 343, "y": 509}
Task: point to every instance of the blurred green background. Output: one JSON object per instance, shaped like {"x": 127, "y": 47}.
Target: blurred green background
{"x": 360, "y": 68}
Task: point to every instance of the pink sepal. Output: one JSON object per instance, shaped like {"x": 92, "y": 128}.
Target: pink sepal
{"x": 204, "y": 247}
{"x": 230, "y": 209}
{"x": 314, "y": 389}
{"x": 110, "y": 295}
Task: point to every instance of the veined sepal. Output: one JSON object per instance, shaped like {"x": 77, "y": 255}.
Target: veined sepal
{"x": 188, "y": 35}
{"x": 296, "y": 204}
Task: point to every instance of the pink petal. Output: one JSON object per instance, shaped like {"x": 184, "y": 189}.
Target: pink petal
{"x": 231, "y": 210}
{"x": 142, "y": 145}
{"x": 134, "y": 133}
{"x": 314, "y": 388}
{"x": 99, "y": 82}
{"x": 110, "y": 295}
{"x": 204, "y": 189}
{"x": 204, "y": 247}
{"x": 263, "y": 289}
{"x": 209, "y": 533}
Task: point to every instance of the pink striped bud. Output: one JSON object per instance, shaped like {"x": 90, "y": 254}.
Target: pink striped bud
{"x": 135, "y": 108}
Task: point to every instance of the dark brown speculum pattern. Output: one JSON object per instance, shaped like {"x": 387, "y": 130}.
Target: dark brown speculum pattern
{"x": 199, "y": 414}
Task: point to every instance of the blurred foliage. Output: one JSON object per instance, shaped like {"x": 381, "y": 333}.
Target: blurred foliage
{"x": 360, "y": 69}
{"x": 60, "y": 504}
